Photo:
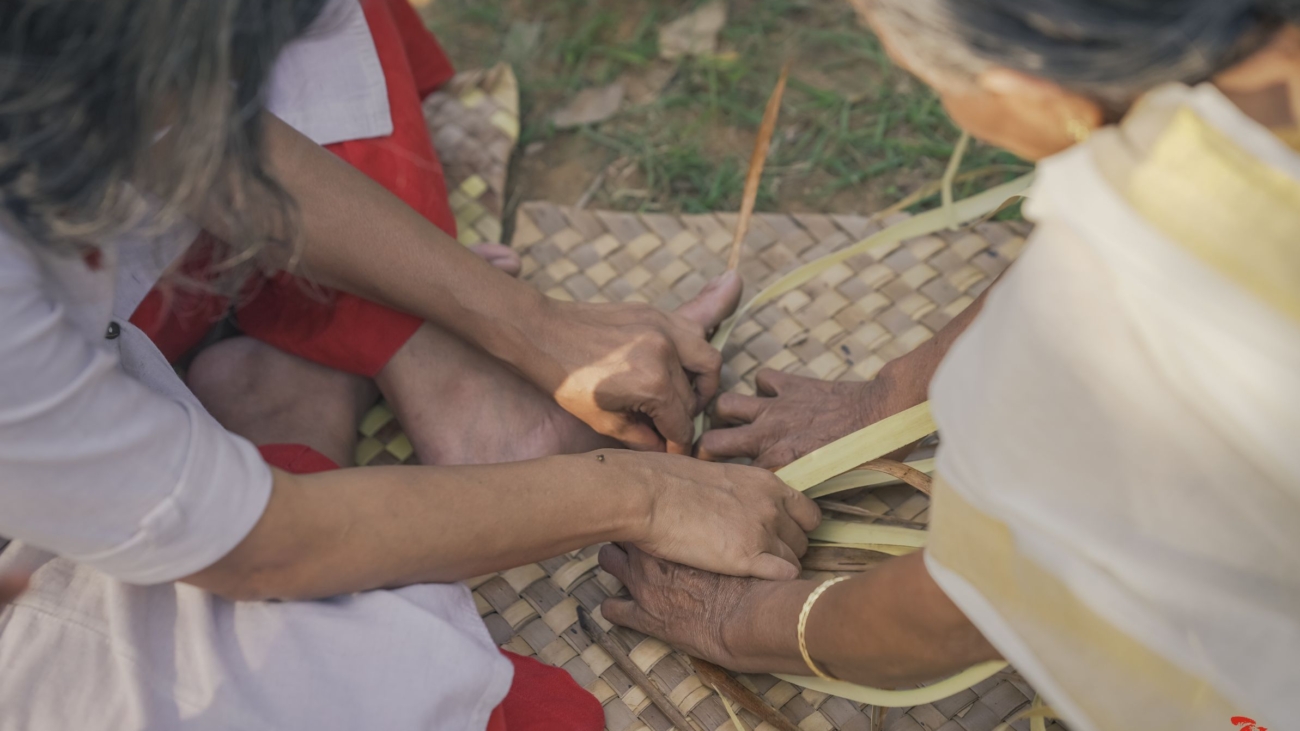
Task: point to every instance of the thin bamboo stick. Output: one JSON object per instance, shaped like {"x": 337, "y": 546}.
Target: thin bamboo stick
{"x": 756, "y": 163}
{"x": 901, "y": 471}
{"x": 634, "y": 673}
{"x": 728, "y": 687}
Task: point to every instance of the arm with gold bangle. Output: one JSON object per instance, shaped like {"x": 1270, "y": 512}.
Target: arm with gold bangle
{"x": 888, "y": 627}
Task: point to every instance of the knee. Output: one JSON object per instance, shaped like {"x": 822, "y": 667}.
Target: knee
{"x": 225, "y": 370}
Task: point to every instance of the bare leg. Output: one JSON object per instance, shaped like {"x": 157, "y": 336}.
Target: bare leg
{"x": 459, "y": 405}
{"x": 270, "y": 397}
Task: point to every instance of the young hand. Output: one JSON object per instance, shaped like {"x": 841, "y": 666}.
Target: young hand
{"x": 726, "y": 518}
{"x": 630, "y": 371}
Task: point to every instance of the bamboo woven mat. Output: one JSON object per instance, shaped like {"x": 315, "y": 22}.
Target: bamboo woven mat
{"x": 846, "y": 324}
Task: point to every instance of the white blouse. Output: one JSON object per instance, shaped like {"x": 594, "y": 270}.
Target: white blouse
{"x": 114, "y": 481}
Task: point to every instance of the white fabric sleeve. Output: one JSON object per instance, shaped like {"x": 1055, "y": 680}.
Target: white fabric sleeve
{"x": 98, "y": 468}
{"x": 329, "y": 84}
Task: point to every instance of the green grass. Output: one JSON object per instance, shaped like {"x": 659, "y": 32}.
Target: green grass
{"x": 856, "y": 133}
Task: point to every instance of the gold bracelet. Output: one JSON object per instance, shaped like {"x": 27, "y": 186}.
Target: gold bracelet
{"x": 803, "y": 622}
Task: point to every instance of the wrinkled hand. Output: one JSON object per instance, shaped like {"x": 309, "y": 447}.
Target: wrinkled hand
{"x": 727, "y": 518}
{"x": 705, "y": 615}
{"x": 793, "y": 416}
{"x": 632, "y": 372}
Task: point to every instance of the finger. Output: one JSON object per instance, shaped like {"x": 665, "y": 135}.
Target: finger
{"x": 500, "y": 256}
{"x": 638, "y": 435}
{"x": 775, "y": 458}
{"x": 705, "y": 362}
{"x": 792, "y": 535}
{"x": 734, "y": 408}
{"x": 770, "y": 382}
{"x": 626, "y": 613}
{"x": 719, "y": 444}
{"x": 672, "y": 416}
{"x": 803, "y": 510}
{"x": 775, "y": 568}
{"x": 715, "y": 302}
{"x": 614, "y": 561}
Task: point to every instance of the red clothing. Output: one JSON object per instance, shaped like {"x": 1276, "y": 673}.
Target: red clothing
{"x": 338, "y": 330}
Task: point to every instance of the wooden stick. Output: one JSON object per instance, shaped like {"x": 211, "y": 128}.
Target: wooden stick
{"x": 722, "y": 682}
{"x": 756, "y": 163}
{"x": 901, "y": 471}
{"x": 629, "y": 668}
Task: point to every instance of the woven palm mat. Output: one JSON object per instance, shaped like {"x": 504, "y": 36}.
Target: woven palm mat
{"x": 474, "y": 123}
{"x": 845, "y": 324}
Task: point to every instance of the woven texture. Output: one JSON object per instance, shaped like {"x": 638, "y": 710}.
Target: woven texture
{"x": 474, "y": 123}
{"x": 845, "y": 324}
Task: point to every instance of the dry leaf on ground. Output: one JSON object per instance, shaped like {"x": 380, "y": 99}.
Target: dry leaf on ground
{"x": 694, "y": 34}
{"x": 589, "y": 106}
{"x": 644, "y": 85}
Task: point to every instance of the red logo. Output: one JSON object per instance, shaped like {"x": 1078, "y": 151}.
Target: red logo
{"x": 1246, "y": 724}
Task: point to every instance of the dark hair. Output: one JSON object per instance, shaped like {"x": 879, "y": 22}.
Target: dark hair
{"x": 102, "y": 98}
{"x": 1112, "y": 50}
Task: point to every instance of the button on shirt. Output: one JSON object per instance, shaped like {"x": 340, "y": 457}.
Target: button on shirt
{"x": 114, "y": 481}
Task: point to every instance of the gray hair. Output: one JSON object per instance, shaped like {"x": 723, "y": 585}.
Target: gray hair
{"x": 102, "y": 98}
{"x": 1111, "y": 50}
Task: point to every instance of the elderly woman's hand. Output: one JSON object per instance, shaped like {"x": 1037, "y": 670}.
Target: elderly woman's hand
{"x": 889, "y": 627}
{"x": 793, "y": 416}
{"x": 703, "y": 614}
{"x": 727, "y": 518}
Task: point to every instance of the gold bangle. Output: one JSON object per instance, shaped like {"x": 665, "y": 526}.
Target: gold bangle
{"x": 803, "y": 622}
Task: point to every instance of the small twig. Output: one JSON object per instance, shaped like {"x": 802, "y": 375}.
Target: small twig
{"x": 722, "y": 682}
{"x": 904, "y": 472}
{"x": 756, "y": 163}
{"x": 590, "y": 192}
{"x": 633, "y": 673}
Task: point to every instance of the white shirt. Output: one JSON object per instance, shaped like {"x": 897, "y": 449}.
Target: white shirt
{"x": 1132, "y": 415}
{"x": 114, "y": 481}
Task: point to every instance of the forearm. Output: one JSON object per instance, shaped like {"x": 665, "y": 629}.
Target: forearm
{"x": 887, "y": 627}
{"x": 909, "y": 375}
{"x": 359, "y": 238}
{"x": 355, "y": 530}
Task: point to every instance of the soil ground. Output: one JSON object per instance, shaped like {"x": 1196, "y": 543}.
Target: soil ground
{"x": 856, "y": 134}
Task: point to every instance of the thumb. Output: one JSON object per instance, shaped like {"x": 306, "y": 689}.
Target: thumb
{"x": 715, "y": 302}
{"x": 625, "y": 613}
{"x": 638, "y": 436}
{"x": 773, "y": 568}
